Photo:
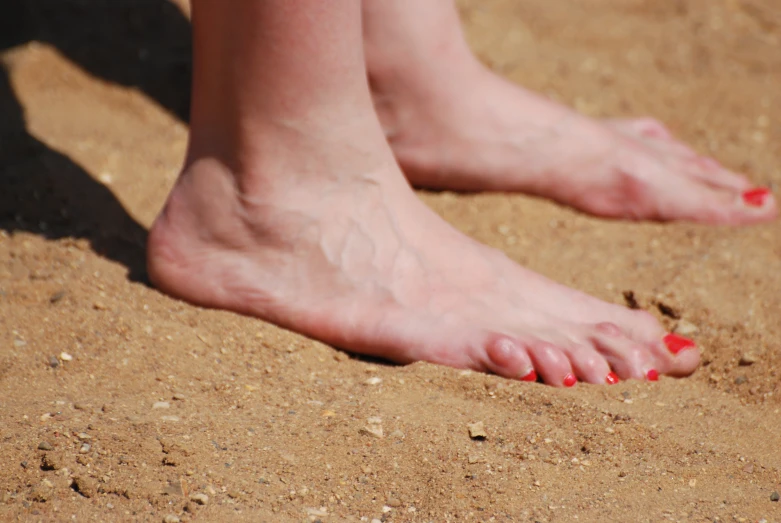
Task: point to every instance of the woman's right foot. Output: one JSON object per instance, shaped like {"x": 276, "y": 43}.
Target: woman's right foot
{"x": 328, "y": 240}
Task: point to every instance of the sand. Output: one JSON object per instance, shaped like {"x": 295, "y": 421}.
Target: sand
{"x": 155, "y": 409}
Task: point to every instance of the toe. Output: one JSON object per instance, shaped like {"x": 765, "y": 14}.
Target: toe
{"x": 552, "y": 364}
{"x": 686, "y": 198}
{"x": 627, "y": 357}
{"x": 590, "y": 366}
{"x": 711, "y": 172}
{"x": 676, "y": 355}
{"x": 507, "y": 357}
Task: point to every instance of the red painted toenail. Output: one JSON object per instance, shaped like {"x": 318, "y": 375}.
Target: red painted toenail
{"x": 570, "y": 380}
{"x": 612, "y": 379}
{"x": 652, "y": 375}
{"x": 756, "y": 197}
{"x": 532, "y": 376}
{"x": 676, "y": 343}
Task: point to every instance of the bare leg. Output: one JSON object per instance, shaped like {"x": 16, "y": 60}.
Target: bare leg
{"x": 291, "y": 208}
{"x": 453, "y": 124}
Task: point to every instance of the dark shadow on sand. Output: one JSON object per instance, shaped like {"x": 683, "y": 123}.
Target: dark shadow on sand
{"x": 136, "y": 43}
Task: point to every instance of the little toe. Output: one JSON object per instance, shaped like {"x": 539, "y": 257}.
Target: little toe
{"x": 506, "y": 357}
{"x": 552, "y": 364}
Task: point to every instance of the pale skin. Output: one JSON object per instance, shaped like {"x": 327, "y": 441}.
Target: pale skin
{"x": 292, "y": 205}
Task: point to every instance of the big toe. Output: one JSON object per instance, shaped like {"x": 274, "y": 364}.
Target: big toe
{"x": 692, "y": 199}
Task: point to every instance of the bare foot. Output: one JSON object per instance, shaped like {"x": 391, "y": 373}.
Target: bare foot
{"x": 454, "y": 124}
{"x": 353, "y": 258}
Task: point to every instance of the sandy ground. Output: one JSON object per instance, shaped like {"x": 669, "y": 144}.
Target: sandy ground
{"x": 119, "y": 403}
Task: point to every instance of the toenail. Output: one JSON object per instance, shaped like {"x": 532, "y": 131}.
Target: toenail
{"x": 570, "y": 380}
{"x": 756, "y": 197}
{"x": 531, "y": 376}
{"x": 652, "y": 375}
{"x": 676, "y": 344}
{"x": 612, "y": 379}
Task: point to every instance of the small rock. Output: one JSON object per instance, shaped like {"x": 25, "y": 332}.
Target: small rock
{"x": 45, "y": 445}
{"x": 170, "y": 518}
{"x": 715, "y": 378}
{"x": 64, "y": 356}
{"x": 83, "y": 436}
{"x": 57, "y": 296}
{"x": 740, "y": 380}
{"x": 747, "y": 359}
{"x": 54, "y": 362}
{"x": 179, "y": 396}
{"x": 748, "y": 469}
{"x": 317, "y": 512}
{"x": 161, "y": 405}
{"x": 374, "y": 380}
{"x": 397, "y": 434}
{"x": 477, "y": 430}
{"x": 394, "y": 502}
{"x": 374, "y": 420}
{"x": 80, "y": 406}
{"x": 774, "y": 496}
{"x": 610, "y": 430}
{"x": 374, "y": 431}
{"x": 375, "y": 520}
{"x": 685, "y": 328}
{"x": 52, "y": 461}
{"x": 199, "y": 498}
{"x": 85, "y": 448}
{"x": 85, "y": 486}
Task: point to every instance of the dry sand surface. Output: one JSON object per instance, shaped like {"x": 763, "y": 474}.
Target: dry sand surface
{"x": 119, "y": 403}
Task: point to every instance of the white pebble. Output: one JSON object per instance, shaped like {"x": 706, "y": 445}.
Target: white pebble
{"x": 64, "y": 356}
{"x": 161, "y": 405}
{"x": 200, "y": 498}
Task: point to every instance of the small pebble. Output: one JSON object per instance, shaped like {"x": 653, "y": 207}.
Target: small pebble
{"x": 64, "y": 356}
{"x": 45, "y": 445}
{"x": 179, "y": 396}
{"x": 57, "y": 296}
{"x": 740, "y": 380}
{"x": 85, "y": 486}
{"x": 774, "y": 496}
{"x": 51, "y": 461}
{"x": 747, "y": 359}
{"x": 317, "y": 512}
{"x": 374, "y": 380}
{"x": 397, "y": 434}
{"x": 685, "y": 328}
{"x": 477, "y": 430}
{"x": 54, "y": 362}
{"x": 85, "y": 448}
{"x": 161, "y": 405}
{"x": 200, "y": 498}
{"x": 394, "y": 502}
{"x": 83, "y": 436}
{"x": 374, "y": 431}
{"x": 170, "y": 518}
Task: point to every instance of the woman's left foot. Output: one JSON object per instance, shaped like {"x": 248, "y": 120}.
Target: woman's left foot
{"x": 455, "y": 125}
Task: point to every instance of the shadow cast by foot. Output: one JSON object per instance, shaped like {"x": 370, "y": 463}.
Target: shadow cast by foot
{"x": 143, "y": 44}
